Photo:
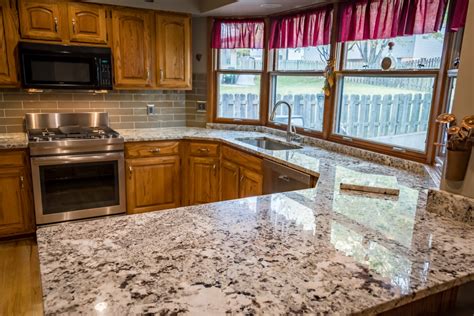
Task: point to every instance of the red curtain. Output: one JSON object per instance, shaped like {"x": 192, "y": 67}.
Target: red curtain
{"x": 238, "y": 33}
{"x": 379, "y": 19}
{"x": 312, "y": 28}
{"x": 458, "y": 18}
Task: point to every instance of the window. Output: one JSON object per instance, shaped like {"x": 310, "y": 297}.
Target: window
{"x": 392, "y": 110}
{"x": 240, "y": 67}
{"x": 410, "y": 52}
{"x": 356, "y": 101}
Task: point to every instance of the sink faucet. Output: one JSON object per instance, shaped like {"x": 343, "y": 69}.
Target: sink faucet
{"x": 290, "y": 130}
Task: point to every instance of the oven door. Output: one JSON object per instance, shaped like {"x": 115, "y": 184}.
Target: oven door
{"x": 75, "y": 187}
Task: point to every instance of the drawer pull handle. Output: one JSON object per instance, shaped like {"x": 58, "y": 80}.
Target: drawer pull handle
{"x": 203, "y": 150}
{"x": 241, "y": 178}
{"x": 56, "y": 24}
{"x": 130, "y": 169}
{"x": 155, "y": 151}
{"x": 22, "y": 182}
{"x": 74, "y": 26}
{"x": 284, "y": 178}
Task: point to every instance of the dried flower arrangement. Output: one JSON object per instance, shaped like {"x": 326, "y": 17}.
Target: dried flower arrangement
{"x": 460, "y": 141}
{"x": 459, "y": 137}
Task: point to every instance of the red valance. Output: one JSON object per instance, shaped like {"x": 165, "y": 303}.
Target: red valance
{"x": 236, "y": 33}
{"x": 311, "y": 28}
{"x": 380, "y": 19}
{"x": 458, "y": 16}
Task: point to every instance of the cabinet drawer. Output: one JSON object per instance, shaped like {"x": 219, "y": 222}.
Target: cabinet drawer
{"x": 242, "y": 158}
{"x": 203, "y": 149}
{"x": 12, "y": 158}
{"x": 151, "y": 149}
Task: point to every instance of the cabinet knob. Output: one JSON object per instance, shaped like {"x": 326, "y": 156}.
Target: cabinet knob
{"x": 241, "y": 178}
{"x": 130, "y": 169}
{"x": 22, "y": 182}
{"x": 155, "y": 150}
{"x": 74, "y": 26}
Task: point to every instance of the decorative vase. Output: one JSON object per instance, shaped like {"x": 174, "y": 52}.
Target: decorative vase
{"x": 456, "y": 164}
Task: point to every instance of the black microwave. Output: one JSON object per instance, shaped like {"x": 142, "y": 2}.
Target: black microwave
{"x": 47, "y": 66}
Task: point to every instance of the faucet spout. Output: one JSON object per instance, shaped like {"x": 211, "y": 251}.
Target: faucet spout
{"x": 289, "y": 128}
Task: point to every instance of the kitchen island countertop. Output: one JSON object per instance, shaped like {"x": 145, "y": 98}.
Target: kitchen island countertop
{"x": 316, "y": 250}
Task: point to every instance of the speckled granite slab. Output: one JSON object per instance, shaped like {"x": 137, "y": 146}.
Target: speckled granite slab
{"x": 305, "y": 252}
{"x": 13, "y": 140}
{"x": 458, "y": 207}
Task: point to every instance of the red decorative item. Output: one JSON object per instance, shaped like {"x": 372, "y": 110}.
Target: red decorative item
{"x": 248, "y": 33}
{"x": 381, "y": 19}
{"x": 309, "y": 28}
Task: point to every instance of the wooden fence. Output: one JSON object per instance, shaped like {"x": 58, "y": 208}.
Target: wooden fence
{"x": 366, "y": 116}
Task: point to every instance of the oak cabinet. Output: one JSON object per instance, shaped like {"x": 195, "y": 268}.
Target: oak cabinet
{"x": 153, "y": 184}
{"x": 251, "y": 183}
{"x": 41, "y": 20}
{"x": 173, "y": 50}
{"x": 87, "y": 23}
{"x": 133, "y": 48}
{"x": 229, "y": 180}
{"x": 8, "y": 41}
{"x": 203, "y": 180}
{"x": 241, "y": 175}
{"x": 16, "y": 208}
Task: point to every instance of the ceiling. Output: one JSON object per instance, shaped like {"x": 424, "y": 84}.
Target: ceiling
{"x": 216, "y": 7}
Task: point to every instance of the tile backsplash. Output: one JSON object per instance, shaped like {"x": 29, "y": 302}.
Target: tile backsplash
{"x": 127, "y": 109}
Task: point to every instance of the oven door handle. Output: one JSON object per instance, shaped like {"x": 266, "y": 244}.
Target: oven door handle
{"x": 62, "y": 160}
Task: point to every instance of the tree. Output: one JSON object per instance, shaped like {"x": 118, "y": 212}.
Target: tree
{"x": 370, "y": 51}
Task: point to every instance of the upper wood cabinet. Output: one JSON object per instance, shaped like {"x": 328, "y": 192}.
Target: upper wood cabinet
{"x": 153, "y": 184}
{"x": 173, "y": 48}
{"x": 87, "y": 23}
{"x": 8, "y": 41}
{"x": 16, "y": 210}
{"x": 133, "y": 48}
{"x": 41, "y": 20}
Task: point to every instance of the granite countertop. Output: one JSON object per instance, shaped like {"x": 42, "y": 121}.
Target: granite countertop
{"x": 13, "y": 140}
{"x": 317, "y": 250}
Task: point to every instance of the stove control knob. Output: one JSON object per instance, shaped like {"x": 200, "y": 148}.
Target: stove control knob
{"x": 102, "y": 136}
{"x": 36, "y": 139}
{"x": 50, "y": 139}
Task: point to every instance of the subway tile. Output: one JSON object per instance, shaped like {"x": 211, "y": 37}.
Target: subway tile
{"x": 11, "y": 120}
{"x": 114, "y": 119}
{"x": 56, "y": 96}
{"x": 173, "y": 110}
{"x": 40, "y": 105}
{"x": 140, "y": 111}
{"x": 20, "y": 96}
{"x": 2, "y": 113}
{"x": 105, "y": 105}
{"x": 179, "y": 117}
{"x": 173, "y": 124}
{"x": 15, "y": 128}
{"x": 73, "y": 105}
{"x": 128, "y": 125}
{"x": 133, "y": 118}
{"x": 15, "y": 113}
{"x": 3, "y": 129}
{"x": 120, "y": 111}
{"x": 148, "y": 124}
{"x": 55, "y": 111}
{"x": 10, "y": 105}
{"x": 118, "y": 97}
{"x": 133, "y": 104}
{"x": 88, "y": 97}
{"x": 160, "y": 117}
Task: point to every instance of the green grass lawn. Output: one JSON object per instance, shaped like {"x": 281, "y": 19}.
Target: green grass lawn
{"x": 311, "y": 85}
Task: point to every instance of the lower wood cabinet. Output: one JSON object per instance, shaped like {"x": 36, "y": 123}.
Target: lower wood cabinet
{"x": 16, "y": 204}
{"x": 153, "y": 184}
{"x": 251, "y": 183}
{"x": 203, "y": 180}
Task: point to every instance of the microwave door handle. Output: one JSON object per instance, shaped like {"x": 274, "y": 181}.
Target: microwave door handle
{"x": 97, "y": 68}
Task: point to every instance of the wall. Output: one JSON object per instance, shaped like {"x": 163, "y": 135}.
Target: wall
{"x": 199, "y": 92}
{"x": 463, "y": 102}
{"x": 127, "y": 109}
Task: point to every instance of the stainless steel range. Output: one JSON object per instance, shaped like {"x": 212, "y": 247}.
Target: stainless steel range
{"x": 77, "y": 164}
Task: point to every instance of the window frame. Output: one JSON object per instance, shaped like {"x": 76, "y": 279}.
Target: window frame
{"x": 338, "y": 52}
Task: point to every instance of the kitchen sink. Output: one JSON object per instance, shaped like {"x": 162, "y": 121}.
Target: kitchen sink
{"x": 268, "y": 143}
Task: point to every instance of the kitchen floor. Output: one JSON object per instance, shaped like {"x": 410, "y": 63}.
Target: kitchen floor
{"x": 20, "y": 282}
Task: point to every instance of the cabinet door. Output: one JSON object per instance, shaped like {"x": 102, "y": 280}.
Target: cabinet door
{"x": 173, "y": 47}
{"x": 251, "y": 183}
{"x": 87, "y": 23}
{"x": 15, "y": 212}
{"x": 153, "y": 184}
{"x": 132, "y": 36}
{"x": 40, "y": 20}
{"x": 229, "y": 181}
{"x": 203, "y": 180}
{"x": 8, "y": 40}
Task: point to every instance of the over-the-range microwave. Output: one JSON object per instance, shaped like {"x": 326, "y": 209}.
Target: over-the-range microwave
{"x": 46, "y": 66}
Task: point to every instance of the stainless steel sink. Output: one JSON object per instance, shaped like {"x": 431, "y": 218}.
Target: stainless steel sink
{"x": 268, "y": 143}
